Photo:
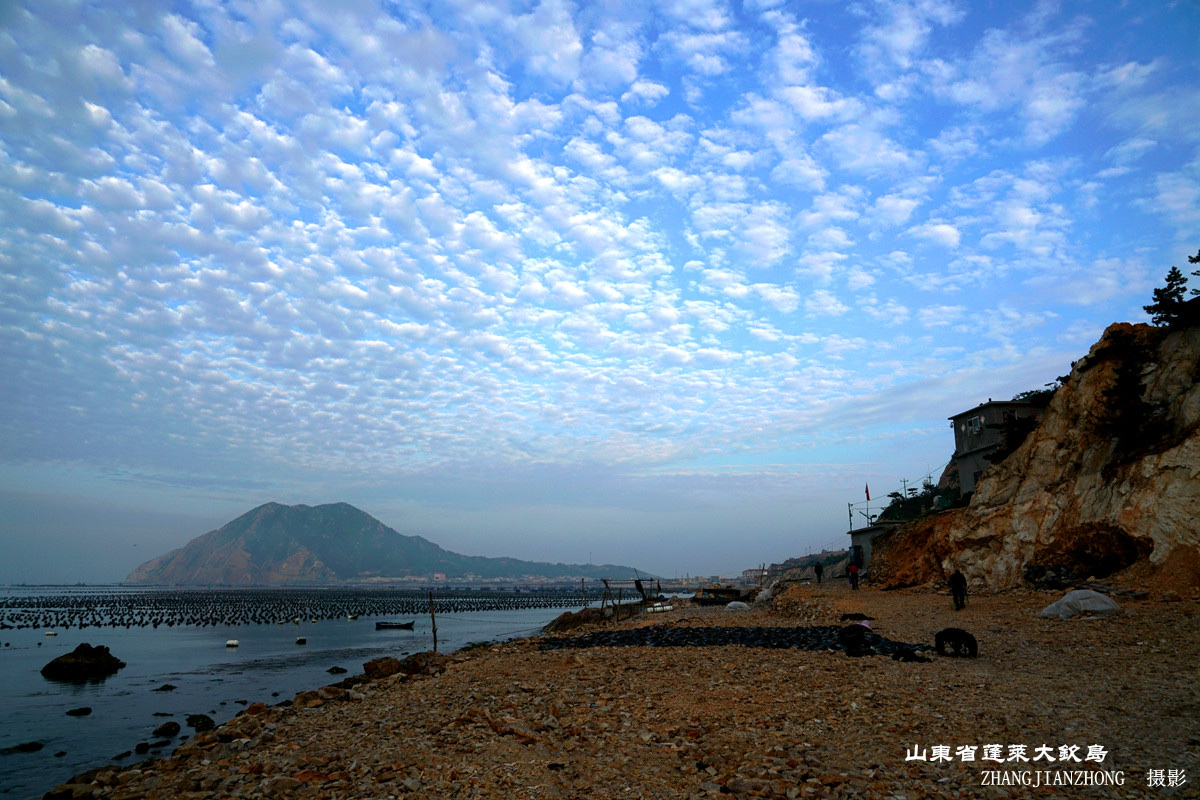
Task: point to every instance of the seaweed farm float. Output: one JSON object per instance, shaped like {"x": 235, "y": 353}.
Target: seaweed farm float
{"x": 135, "y": 608}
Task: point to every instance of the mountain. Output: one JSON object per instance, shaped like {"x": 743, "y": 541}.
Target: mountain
{"x": 1107, "y": 482}
{"x": 336, "y": 542}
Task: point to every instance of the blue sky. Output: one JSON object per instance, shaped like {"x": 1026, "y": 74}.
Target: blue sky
{"x": 664, "y": 284}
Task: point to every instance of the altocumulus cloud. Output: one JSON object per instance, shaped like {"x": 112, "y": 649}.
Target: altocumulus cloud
{"x": 383, "y": 252}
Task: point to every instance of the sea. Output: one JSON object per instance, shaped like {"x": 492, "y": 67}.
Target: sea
{"x": 37, "y": 624}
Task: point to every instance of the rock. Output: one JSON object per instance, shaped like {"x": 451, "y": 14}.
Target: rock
{"x": 141, "y": 748}
{"x": 381, "y": 667}
{"x": 167, "y": 729}
{"x": 200, "y": 722}
{"x": 331, "y": 693}
{"x": 79, "y": 712}
{"x": 82, "y": 664}
{"x": 569, "y": 620}
{"x": 23, "y": 747}
{"x": 282, "y": 784}
{"x": 71, "y": 791}
{"x": 336, "y": 670}
{"x": 166, "y": 687}
{"x": 427, "y": 663}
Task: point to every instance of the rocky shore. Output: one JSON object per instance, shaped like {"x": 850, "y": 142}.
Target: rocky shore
{"x": 737, "y": 716}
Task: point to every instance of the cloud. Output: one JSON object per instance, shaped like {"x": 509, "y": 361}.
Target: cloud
{"x": 549, "y": 40}
{"x": 940, "y": 233}
{"x": 645, "y": 92}
{"x": 348, "y": 249}
{"x": 903, "y": 32}
{"x": 863, "y": 149}
{"x": 823, "y": 302}
{"x": 1026, "y": 71}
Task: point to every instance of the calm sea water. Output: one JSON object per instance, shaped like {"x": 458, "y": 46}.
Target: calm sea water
{"x": 211, "y": 678}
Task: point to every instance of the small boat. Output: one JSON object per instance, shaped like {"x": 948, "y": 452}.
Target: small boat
{"x": 659, "y": 608}
{"x": 52, "y": 633}
{"x": 231, "y": 643}
{"x": 393, "y": 626}
{"x": 301, "y": 640}
{"x": 352, "y": 616}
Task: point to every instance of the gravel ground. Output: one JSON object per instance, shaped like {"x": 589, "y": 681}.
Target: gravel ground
{"x": 523, "y": 720}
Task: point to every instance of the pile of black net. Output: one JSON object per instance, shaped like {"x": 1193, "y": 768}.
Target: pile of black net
{"x": 816, "y": 637}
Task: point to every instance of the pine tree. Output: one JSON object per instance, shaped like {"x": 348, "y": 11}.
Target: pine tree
{"x": 1196, "y": 273}
{"x": 1168, "y": 300}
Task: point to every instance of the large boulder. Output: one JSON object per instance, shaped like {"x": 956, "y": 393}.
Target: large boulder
{"x": 84, "y": 663}
{"x": 427, "y": 663}
{"x": 382, "y": 667}
{"x": 200, "y": 722}
{"x": 167, "y": 729}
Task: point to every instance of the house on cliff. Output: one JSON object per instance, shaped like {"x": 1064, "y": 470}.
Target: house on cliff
{"x": 862, "y": 539}
{"x": 980, "y": 432}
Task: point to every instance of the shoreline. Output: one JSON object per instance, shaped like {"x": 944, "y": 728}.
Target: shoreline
{"x": 517, "y": 720}
{"x": 210, "y": 679}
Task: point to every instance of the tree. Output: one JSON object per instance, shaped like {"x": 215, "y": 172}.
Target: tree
{"x": 1195, "y": 260}
{"x": 1168, "y": 300}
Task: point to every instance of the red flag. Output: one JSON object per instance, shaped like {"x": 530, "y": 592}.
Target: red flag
{"x": 868, "y": 491}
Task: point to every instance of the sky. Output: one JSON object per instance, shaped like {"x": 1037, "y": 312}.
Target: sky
{"x": 659, "y": 284}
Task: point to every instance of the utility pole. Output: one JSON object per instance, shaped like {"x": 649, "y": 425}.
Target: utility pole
{"x": 433, "y": 620}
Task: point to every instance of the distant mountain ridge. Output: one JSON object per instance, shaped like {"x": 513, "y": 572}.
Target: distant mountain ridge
{"x": 278, "y": 544}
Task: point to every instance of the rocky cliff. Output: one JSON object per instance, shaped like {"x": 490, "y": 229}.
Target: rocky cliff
{"x": 1108, "y": 481}
{"x": 278, "y": 544}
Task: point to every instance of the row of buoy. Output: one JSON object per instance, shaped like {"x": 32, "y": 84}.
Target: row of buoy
{"x": 200, "y": 607}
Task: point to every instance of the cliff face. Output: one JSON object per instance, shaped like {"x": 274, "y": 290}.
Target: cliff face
{"x": 1109, "y": 479}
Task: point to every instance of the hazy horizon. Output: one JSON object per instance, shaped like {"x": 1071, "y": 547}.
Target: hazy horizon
{"x": 666, "y": 285}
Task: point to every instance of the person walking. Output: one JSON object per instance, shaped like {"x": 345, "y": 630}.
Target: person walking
{"x": 958, "y": 588}
{"x": 852, "y": 571}
{"x": 818, "y": 570}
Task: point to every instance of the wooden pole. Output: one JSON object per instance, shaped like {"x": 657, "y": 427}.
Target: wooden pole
{"x": 583, "y": 591}
{"x": 617, "y": 607}
{"x": 433, "y": 619}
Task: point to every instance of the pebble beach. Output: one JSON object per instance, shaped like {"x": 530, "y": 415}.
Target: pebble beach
{"x": 1105, "y": 707}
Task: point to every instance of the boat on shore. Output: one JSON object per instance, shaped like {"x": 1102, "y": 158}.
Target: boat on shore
{"x": 658, "y": 608}
{"x": 393, "y": 626}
